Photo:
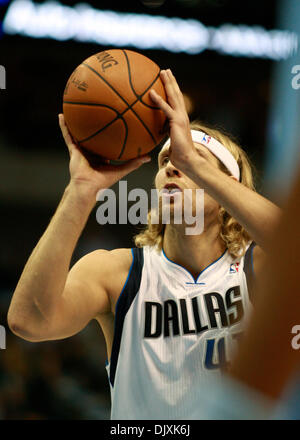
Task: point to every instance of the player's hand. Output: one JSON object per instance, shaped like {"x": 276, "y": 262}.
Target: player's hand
{"x": 182, "y": 150}
{"x": 92, "y": 171}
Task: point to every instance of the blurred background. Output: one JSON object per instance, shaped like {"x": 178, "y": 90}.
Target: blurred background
{"x": 237, "y": 65}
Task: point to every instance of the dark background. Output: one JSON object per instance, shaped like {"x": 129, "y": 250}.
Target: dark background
{"x": 67, "y": 379}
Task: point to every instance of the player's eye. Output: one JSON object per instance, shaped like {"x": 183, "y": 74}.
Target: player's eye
{"x": 165, "y": 160}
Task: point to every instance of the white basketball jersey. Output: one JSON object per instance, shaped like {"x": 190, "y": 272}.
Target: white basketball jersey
{"x": 173, "y": 332}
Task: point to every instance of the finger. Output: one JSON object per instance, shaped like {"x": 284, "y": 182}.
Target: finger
{"x": 176, "y": 88}
{"x": 172, "y": 88}
{"x": 120, "y": 171}
{"x": 64, "y": 130}
{"x": 66, "y": 134}
{"x": 133, "y": 165}
{"x": 170, "y": 91}
{"x": 173, "y": 80}
{"x": 94, "y": 160}
{"x": 162, "y": 104}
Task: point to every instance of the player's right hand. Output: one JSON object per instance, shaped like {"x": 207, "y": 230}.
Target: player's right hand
{"x": 92, "y": 171}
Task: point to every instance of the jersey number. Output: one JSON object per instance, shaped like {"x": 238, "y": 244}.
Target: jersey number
{"x": 215, "y": 356}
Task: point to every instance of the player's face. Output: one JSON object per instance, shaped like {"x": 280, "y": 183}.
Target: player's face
{"x": 171, "y": 182}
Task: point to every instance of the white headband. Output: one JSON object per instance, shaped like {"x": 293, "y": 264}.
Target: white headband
{"x": 217, "y": 149}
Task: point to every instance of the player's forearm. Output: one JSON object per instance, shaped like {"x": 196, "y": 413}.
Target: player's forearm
{"x": 44, "y": 276}
{"x": 254, "y": 212}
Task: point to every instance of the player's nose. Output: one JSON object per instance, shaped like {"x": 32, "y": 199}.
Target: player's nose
{"x": 171, "y": 170}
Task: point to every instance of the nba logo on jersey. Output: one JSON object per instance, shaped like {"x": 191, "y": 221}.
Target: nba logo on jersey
{"x": 234, "y": 267}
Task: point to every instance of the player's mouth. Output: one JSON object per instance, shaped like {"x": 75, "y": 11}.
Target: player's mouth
{"x": 171, "y": 189}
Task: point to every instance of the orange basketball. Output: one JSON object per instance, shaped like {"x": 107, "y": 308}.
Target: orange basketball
{"x": 107, "y": 106}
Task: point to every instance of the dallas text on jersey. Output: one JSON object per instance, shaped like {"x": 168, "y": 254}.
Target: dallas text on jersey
{"x": 160, "y": 317}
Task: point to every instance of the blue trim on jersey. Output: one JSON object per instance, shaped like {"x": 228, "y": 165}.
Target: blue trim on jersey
{"x": 108, "y": 361}
{"x": 125, "y": 284}
{"x": 214, "y": 262}
{"x": 252, "y": 265}
{"x": 249, "y": 269}
{"x": 126, "y": 297}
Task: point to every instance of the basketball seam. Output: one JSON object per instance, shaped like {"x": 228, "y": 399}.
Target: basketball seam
{"x": 105, "y": 80}
{"x": 119, "y": 116}
{"x": 107, "y": 125}
{"x": 129, "y": 106}
{"x": 96, "y": 104}
{"x": 145, "y": 91}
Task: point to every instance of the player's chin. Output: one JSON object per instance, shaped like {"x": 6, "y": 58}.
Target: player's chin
{"x": 174, "y": 207}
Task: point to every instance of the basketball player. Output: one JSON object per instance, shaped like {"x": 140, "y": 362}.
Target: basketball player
{"x": 172, "y": 308}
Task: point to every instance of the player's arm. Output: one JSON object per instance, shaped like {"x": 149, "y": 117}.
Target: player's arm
{"x": 42, "y": 282}
{"x": 91, "y": 291}
{"x": 42, "y": 285}
{"x": 89, "y": 287}
{"x": 254, "y": 212}
{"x": 258, "y": 215}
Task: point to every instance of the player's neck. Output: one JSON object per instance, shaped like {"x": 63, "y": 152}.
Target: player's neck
{"x": 193, "y": 252}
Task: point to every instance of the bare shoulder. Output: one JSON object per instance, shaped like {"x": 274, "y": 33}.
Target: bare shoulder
{"x": 108, "y": 269}
{"x": 101, "y": 261}
{"x": 113, "y": 262}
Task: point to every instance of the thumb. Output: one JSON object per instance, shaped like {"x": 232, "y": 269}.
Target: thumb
{"x": 66, "y": 134}
{"x": 132, "y": 165}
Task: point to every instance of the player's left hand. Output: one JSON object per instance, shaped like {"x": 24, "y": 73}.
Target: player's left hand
{"x": 182, "y": 150}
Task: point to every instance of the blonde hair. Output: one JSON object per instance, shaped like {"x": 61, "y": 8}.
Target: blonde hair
{"x": 232, "y": 233}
